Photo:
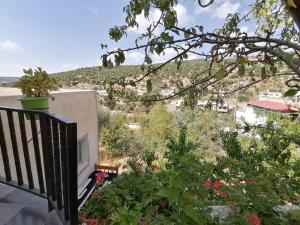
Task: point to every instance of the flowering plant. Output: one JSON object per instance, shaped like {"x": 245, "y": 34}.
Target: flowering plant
{"x": 183, "y": 191}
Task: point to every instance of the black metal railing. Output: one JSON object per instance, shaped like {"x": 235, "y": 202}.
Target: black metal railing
{"x": 46, "y": 166}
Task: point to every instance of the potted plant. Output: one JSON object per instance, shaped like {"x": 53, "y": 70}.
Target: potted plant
{"x": 35, "y": 86}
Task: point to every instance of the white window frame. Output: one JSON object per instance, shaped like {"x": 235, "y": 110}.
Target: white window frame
{"x": 83, "y": 153}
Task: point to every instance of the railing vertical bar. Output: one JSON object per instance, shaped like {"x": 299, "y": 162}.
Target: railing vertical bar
{"x": 57, "y": 164}
{"x": 14, "y": 145}
{"x": 37, "y": 152}
{"x": 49, "y": 133}
{"x": 5, "y": 157}
{"x": 25, "y": 149}
{"x": 45, "y": 146}
{"x": 72, "y": 172}
{"x": 63, "y": 152}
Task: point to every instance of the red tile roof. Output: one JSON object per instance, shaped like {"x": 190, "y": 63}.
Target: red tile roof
{"x": 276, "y": 106}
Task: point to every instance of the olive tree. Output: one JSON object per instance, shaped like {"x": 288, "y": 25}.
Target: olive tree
{"x": 228, "y": 50}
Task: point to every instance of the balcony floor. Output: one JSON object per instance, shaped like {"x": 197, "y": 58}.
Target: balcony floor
{"x": 18, "y": 207}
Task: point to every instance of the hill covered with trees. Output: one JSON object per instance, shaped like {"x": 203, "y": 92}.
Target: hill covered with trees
{"x": 170, "y": 75}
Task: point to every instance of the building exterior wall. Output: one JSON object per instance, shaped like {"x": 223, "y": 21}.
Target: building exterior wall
{"x": 249, "y": 115}
{"x": 79, "y": 106}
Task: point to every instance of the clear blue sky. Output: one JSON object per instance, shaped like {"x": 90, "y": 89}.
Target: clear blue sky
{"x": 60, "y": 35}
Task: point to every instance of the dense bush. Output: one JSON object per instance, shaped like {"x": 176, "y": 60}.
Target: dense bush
{"x": 250, "y": 180}
{"x": 119, "y": 140}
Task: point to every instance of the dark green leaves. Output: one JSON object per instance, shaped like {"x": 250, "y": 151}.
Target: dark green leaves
{"x": 119, "y": 58}
{"x": 241, "y": 69}
{"x": 149, "y": 86}
{"x": 290, "y": 92}
{"x": 170, "y": 18}
{"x": 116, "y": 33}
{"x": 273, "y": 69}
{"x": 241, "y": 65}
{"x": 165, "y": 36}
{"x": 263, "y": 72}
{"x": 221, "y": 72}
{"x": 148, "y": 60}
{"x": 170, "y": 194}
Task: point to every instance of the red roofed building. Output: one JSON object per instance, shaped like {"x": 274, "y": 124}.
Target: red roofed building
{"x": 273, "y": 106}
{"x": 256, "y": 111}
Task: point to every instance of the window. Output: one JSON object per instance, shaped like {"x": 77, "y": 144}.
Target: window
{"x": 82, "y": 152}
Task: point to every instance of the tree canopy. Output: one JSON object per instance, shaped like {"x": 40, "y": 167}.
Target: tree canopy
{"x": 228, "y": 50}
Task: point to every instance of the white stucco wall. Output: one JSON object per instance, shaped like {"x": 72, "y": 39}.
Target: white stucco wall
{"x": 77, "y": 105}
{"x": 248, "y": 114}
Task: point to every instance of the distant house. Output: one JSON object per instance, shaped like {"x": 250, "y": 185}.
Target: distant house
{"x": 133, "y": 126}
{"x": 102, "y": 93}
{"x": 141, "y": 92}
{"x": 212, "y": 105}
{"x": 269, "y": 95}
{"x": 255, "y": 111}
{"x": 167, "y": 92}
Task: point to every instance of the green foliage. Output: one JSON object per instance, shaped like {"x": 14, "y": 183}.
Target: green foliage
{"x": 294, "y": 217}
{"x": 110, "y": 100}
{"x": 250, "y": 178}
{"x": 177, "y": 149}
{"x": 118, "y": 139}
{"x": 104, "y": 117}
{"x": 156, "y": 127}
{"x": 148, "y": 157}
{"x": 203, "y": 129}
{"x": 190, "y": 99}
{"x": 291, "y": 92}
{"x": 37, "y": 83}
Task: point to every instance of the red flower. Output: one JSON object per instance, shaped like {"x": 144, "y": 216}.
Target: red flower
{"x": 100, "y": 175}
{"x": 253, "y": 219}
{"x": 217, "y": 184}
{"x": 208, "y": 183}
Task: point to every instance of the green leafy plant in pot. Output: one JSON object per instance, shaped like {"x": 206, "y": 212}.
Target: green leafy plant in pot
{"x": 36, "y": 86}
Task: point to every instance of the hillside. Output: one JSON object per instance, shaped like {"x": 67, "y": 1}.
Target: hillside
{"x": 93, "y": 77}
{"x": 7, "y": 80}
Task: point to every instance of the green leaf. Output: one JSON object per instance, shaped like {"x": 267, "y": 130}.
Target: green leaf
{"x": 148, "y": 60}
{"x": 149, "y": 86}
{"x": 166, "y": 37}
{"x": 263, "y": 72}
{"x": 273, "y": 69}
{"x": 241, "y": 70}
{"x": 187, "y": 35}
{"x": 201, "y": 28}
{"x": 191, "y": 212}
{"x": 290, "y": 92}
{"x": 159, "y": 48}
{"x": 169, "y": 194}
{"x": 170, "y": 18}
{"x": 221, "y": 72}
{"x": 242, "y": 59}
{"x": 178, "y": 64}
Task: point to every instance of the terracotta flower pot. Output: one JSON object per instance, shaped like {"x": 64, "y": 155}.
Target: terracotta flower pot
{"x": 90, "y": 221}
{"x": 95, "y": 221}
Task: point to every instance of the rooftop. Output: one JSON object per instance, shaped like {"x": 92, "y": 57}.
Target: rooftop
{"x": 270, "y": 105}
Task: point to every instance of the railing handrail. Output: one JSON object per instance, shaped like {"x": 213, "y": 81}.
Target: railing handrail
{"x": 55, "y": 116}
